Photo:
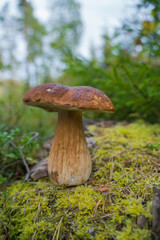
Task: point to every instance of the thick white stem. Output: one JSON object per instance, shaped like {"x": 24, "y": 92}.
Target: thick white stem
{"x": 69, "y": 162}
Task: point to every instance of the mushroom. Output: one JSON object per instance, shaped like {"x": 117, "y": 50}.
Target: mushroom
{"x": 69, "y": 161}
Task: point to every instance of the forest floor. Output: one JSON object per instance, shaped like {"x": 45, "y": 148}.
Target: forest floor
{"x": 115, "y": 203}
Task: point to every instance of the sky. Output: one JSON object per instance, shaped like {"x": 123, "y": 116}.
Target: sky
{"x": 97, "y": 17}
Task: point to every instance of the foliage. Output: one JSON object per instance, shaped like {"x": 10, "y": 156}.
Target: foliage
{"x": 15, "y": 114}
{"x": 68, "y": 28}
{"x": 34, "y": 48}
{"x": 133, "y": 87}
{"x": 150, "y": 28}
{"x": 33, "y": 33}
{"x": 140, "y": 36}
{"x": 128, "y": 69}
{"x": 18, "y": 124}
{"x": 14, "y": 145}
{"x": 125, "y": 167}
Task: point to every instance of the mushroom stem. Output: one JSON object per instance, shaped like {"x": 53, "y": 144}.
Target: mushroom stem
{"x": 69, "y": 162}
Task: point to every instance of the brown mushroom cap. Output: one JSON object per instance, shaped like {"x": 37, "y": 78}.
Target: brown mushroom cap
{"x": 53, "y": 96}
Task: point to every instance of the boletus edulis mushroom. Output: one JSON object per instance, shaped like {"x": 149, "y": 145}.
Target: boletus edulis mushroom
{"x": 69, "y": 162}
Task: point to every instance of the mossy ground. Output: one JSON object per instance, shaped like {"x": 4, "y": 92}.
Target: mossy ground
{"x": 125, "y": 168}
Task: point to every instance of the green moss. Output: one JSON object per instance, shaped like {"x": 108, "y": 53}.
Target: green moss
{"x": 131, "y": 232}
{"x": 120, "y": 189}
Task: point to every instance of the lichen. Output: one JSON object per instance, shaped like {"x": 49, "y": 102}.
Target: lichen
{"x": 125, "y": 168}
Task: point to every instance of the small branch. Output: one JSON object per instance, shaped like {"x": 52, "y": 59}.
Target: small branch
{"x": 35, "y": 135}
{"x": 22, "y": 155}
{"x": 133, "y": 82}
{"x": 115, "y": 155}
{"x": 57, "y": 231}
{"x": 24, "y": 161}
{"x": 27, "y": 177}
{"x": 14, "y": 145}
{"x": 38, "y": 211}
{"x": 33, "y": 237}
{"x": 6, "y": 232}
{"x": 8, "y": 165}
{"x": 111, "y": 171}
{"x": 103, "y": 216}
{"x": 95, "y": 208}
{"x": 25, "y": 208}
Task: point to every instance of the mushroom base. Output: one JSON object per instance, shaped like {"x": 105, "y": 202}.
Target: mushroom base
{"x": 69, "y": 162}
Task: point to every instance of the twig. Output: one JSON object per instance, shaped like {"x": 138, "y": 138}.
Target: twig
{"x": 71, "y": 236}
{"x": 59, "y": 226}
{"x": 35, "y": 135}
{"x": 47, "y": 137}
{"x": 121, "y": 167}
{"x": 96, "y": 206}
{"x": 115, "y": 155}
{"x": 38, "y": 211}
{"x": 25, "y": 207}
{"x": 8, "y": 165}
{"x": 22, "y": 155}
{"x": 119, "y": 178}
{"x": 158, "y": 164}
{"x": 111, "y": 171}
{"x": 14, "y": 145}
{"x": 27, "y": 177}
{"x": 104, "y": 216}
{"x": 133, "y": 82}
{"x": 5, "y": 228}
{"x": 24, "y": 161}
{"x": 33, "y": 237}
{"x": 57, "y": 230}
{"x": 47, "y": 184}
{"x": 120, "y": 191}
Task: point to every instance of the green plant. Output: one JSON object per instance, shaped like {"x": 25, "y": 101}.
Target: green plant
{"x": 15, "y": 114}
{"x": 132, "y": 86}
{"x": 16, "y": 150}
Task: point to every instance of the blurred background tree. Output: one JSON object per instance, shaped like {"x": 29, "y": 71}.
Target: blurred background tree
{"x": 127, "y": 69}
{"x": 32, "y": 52}
{"x": 32, "y": 32}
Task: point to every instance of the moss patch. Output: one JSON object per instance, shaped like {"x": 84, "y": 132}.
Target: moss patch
{"x": 125, "y": 168}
